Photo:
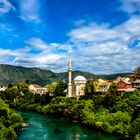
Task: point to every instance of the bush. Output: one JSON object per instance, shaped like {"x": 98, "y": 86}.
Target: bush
{"x": 10, "y": 122}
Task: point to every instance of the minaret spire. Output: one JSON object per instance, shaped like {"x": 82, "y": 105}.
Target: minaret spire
{"x": 69, "y": 94}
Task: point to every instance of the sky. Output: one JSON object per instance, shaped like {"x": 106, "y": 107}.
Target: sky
{"x": 101, "y": 36}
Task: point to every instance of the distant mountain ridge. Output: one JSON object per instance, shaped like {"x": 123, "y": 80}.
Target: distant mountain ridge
{"x": 10, "y": 74}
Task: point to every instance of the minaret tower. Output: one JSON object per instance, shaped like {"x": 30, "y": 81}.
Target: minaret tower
{"x": 69, "y": 94}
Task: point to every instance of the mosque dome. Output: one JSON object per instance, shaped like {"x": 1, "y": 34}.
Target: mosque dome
{"x": 79, "y": 78}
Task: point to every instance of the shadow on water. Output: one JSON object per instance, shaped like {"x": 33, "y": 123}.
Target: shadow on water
{"x": 43, "y": 127}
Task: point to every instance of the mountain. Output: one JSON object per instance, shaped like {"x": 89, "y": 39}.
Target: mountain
{"x": 10, "y": 74}
{"x": 15, "y": 74}
{"x": 113, "y": 76}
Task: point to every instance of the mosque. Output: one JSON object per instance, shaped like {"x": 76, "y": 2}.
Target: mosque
{"x": 77, "y": 86}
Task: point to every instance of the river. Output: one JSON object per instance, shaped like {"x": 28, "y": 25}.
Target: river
{"x": 42, "y": 127}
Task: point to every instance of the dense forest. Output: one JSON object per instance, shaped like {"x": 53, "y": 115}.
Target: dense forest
{"x": 110, "y": 113}
{"x": 10, "y": 122}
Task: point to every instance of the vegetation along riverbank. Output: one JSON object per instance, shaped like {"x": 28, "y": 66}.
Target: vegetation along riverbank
{"x": 10, "y": 122}
{"x": 111, "y": 113}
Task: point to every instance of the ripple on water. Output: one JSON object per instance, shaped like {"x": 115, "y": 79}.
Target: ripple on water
{"x": 49, "y": 128}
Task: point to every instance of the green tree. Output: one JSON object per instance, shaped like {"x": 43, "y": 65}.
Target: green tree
{"x": 10, "y": 95}
{"x": 59, "y": 91}
{"x": 89, "y": 88}
{"x": 51, "y": 88}
{"x": 10, "y": 85}
{"x": 137, "y": 70}
{"x": 10, "y": 122}
{"x": 23, "y": 87}
{"x": 27, "y": 82}
{"x": 113, "y": 89}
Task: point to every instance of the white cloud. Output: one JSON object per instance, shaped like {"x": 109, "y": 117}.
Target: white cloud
{"x": 103, "y": 32}
{"x": 92, "y": 32}
{"x": 96, "y": 48}
{"x": 5, "y": 6}
{"x": 54, "y": 62}
{"x": 8, "y": 55}
{"x": 46, "y": 58}
{"x": 37, "y": 43}
{"x": 29, "y": 10}
{"x": 130, "y": 6}
{"x": 9, "y": 52}
{"x": 101, "y": 49}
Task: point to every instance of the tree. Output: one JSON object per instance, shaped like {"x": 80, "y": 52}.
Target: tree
{"x": 15, "y": 118}
{"x": 89, "y": 88}
{"x": 27, "y": 82}
{"x": 51, "y": 87}
{"x": 61, "y": 86}
{"x": 23, "y": 87}
{"x": 137, "y": 70}
{"x": 9, "y": 95}
{"x": 57, "y": 89}
{"x": 136, "y": 126}
{"x": 10, "y": 85}
{"x": 10, "y": 122}
{"x": 113, "y": 89}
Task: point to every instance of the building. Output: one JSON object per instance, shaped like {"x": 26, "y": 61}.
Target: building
{"x": 97, "y": 84}
{"x": 76, "y": 87}
{"x": 2, "y": 88}
{"x": 134, "y": 77}
{"x": 37, "y": 89}
{"x": 104, "y": 87}
{"x": 124, "y": 86}
{"x": 69, "y": 93}
{"x": 117, "y": 80}
{"x": 136, "y": 84}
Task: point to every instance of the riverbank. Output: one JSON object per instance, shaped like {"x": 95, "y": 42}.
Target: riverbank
{"x": 112, "y": 113}
{"x": 43, "y": 127}
{"x": 10, "y": 122}
{"x": 96, "y": 113}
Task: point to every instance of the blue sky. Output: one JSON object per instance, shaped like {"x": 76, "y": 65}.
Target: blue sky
{"x": 101, "y": 36}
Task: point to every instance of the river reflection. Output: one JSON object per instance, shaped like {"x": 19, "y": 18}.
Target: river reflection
{"x": 43, "y": 127}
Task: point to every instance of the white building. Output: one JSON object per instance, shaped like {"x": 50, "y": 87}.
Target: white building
{"x": 37, "y": 89}
{"x": 2, "y": 88}
{"x": 76, "y": 88}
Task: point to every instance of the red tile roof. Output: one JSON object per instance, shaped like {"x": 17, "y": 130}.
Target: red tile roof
{"x": 36, "y": 86}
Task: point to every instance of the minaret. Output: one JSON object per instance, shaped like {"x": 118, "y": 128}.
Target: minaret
{"x": 69, "y": 94}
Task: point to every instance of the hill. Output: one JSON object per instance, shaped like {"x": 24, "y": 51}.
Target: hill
{"x": 113, "y": 76}
{"x": 10, "y": 74}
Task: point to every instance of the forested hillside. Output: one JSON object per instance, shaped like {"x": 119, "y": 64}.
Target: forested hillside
{"x": 14, "y": 74}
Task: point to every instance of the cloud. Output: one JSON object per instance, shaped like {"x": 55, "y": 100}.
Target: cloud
{"x": 54, "y": 62}
{"x": 17, "y": 52}
{"x": 37, "y": 43}
{"x": 130, "y": 6}
{"x": 8, "y": 55}
{"x": 102, "y": 49}
{"x": 29, "y": 10}
{"x": 48, "y": 57}
{"x": 103, "y": 32}
{"x": 96, "y": 48}
{"x": 5, "y": 7}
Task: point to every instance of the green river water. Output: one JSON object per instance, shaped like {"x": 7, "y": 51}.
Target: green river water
{"x": 42, "y": 127}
